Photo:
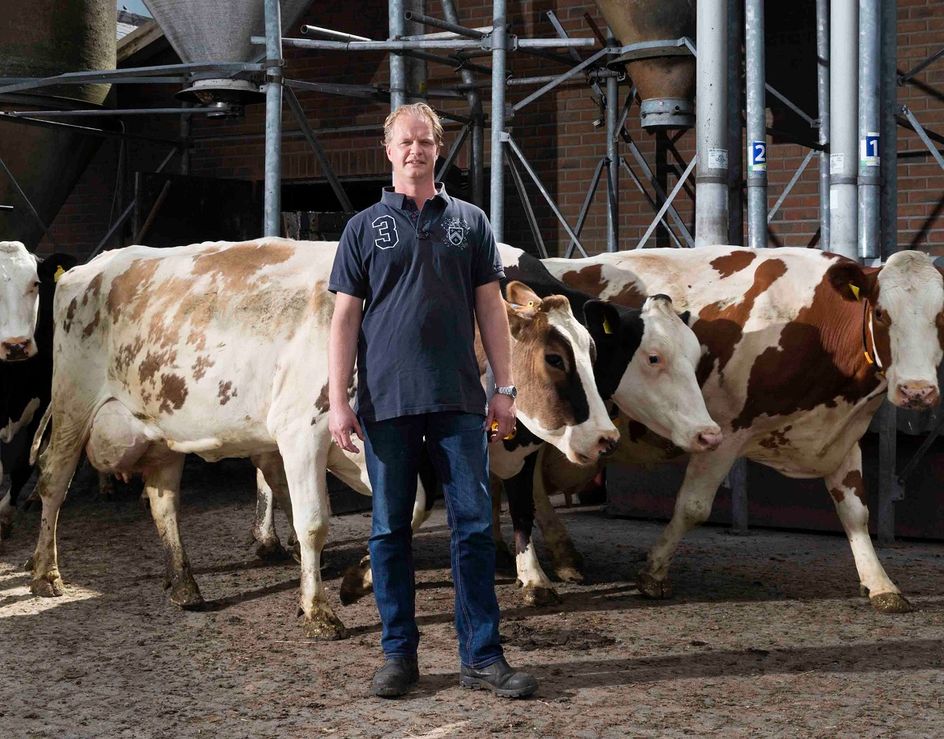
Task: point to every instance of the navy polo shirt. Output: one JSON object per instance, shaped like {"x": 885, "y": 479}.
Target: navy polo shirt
{"x": 416, "y": 271}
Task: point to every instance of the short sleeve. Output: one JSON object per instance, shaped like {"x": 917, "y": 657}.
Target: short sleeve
{"x": 347, "y": 274}
{"x": 488, "y": 266}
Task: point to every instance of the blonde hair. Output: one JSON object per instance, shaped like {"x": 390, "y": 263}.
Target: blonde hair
{"x": 417, "y": 110}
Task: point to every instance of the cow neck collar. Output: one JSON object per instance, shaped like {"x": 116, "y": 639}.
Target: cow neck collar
{"x": 868, "y": 334}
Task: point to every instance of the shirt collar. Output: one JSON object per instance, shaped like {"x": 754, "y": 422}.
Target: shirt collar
{"x": 398, "y": 199}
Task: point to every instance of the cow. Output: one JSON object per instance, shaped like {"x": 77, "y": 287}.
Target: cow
{"x": 217, "y": 349}
{"x": 800, "y": 347}
{"x": 645, "y": 361}
{"x": 27, "y": 284}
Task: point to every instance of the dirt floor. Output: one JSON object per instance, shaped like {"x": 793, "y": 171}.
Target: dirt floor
{"x": 767, "y": 635}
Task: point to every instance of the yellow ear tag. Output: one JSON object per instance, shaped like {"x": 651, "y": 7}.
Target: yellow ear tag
{"x": 607, "y": 329}
{"x": 59, "y": 273}
{"x": 855, "y": 290}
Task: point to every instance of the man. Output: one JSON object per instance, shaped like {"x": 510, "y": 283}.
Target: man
{"x": 412, "y": 275}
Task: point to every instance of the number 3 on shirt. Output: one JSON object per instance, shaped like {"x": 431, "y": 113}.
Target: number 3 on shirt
{"x": 386, "y": 229}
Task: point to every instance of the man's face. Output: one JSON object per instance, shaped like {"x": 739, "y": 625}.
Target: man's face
{"x": 412, "y": 149}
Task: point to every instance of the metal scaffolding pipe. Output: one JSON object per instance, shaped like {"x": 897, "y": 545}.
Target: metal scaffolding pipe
{"x": 756, "y": 103}
{"x": 869, "y": 124}
{"x": 735, "y": 132}
{"x": 455, "y": 28}
{"x": 889, "y": 129}
{"x": 397, "y": 62}
{"x": 531, "y": 45}
{"x": 843, "y": 123}
{"x": 822, "y": 103}
{"x": 477, "y": 140}
{"x": 499, "y": 60}
{"x": 272, "y": 210}
{"x": 711, "y": 123}
{"x": 613, "y": 162}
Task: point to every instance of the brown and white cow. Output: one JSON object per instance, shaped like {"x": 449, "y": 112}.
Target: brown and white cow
{"x": 218, "y": 349}
{"x": 800, "y": 349}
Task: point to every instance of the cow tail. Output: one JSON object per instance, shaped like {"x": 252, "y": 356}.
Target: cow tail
{"x": 40, "y": 433}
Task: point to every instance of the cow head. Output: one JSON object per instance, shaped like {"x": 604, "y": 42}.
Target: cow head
{"x": 646, "y": 364}
{"x": 903, "y": 318}
{"x": 552, "y": 366}
{"x": 19, "y": 301}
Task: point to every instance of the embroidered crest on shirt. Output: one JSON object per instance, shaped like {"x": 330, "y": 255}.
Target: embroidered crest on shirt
{"x": 385, "y": 229}
{"x": 456, "y": 230}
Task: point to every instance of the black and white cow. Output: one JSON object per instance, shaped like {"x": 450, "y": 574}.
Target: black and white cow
{"x": 27, "y": 284}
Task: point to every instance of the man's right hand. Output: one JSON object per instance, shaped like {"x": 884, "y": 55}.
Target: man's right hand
{"x": 341, "y": 423}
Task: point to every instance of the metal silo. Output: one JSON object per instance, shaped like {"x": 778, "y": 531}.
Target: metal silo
{"x": 666, "y": 79}
{"x": 40, "y": 39}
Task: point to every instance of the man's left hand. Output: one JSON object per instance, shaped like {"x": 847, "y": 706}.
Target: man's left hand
{"x": 501, "y": 410}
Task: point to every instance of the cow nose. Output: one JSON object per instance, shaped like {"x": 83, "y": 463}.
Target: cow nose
{"x": 708, "y": 439}
{"x": 607, "y": 444}
{"x": 918, "y": 394}
{"x": 17, "y": 348}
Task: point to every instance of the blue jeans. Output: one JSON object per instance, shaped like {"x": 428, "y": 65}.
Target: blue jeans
{"x": 458, "y": 449}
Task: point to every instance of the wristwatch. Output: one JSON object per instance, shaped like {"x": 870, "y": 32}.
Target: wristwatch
{"x": 510, "y": 390}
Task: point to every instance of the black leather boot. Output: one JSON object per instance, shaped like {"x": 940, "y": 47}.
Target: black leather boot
{"x": 500, "y": 678}
{"x": 396, "y": 677}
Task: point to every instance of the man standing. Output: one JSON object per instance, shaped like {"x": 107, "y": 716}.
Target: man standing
{"x": 413, "y": 274}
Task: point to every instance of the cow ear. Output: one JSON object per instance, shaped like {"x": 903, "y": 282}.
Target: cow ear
{"x": 520, "y": 294}
{"x": 851, "y": 281}
{"x": 685, "y": 316}
{"x": 602, "y": 319}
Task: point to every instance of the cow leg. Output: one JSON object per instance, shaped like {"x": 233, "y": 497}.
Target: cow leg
{"x": 19, "y": 475}
{"x": 568, "y": 563}
{"x": 7, "y": 510}
{"x": 705, "y": 472}
{"x": 503, "y": 558}
{"x": 263, "y": 527}
{"x": 305, "y": 466}
{"x": 56, "y": 467}
{"x": 537, "y": 589}
{"x": 847, "y": 489}
{"x": 162, "y": 487}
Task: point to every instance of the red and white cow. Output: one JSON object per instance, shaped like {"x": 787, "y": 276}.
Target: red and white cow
{"x": 800, "y": 348}
{"x": 218, "y": 349}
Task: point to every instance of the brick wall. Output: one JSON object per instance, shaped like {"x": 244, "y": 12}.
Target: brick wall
{"x": 556, "y": 134}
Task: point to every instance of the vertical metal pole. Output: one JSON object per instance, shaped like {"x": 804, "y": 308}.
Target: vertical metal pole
{"x": 756, "y": 124}
{"x": 869, "y": 51}
{"x": 497, "y": 199}
{"x": 397, "y": 61}
{"x": 889, "y": 128}
{"x": 844, "y": 127}
{"x": 612, "y": 155}
{"x": 735, "y": 129}
{"x": 477, "y": 140}
{"x": 711, "y": 123}
{"x": 273, "y": 125}
{"x": 888, "y": 488}
{"x": 822, "y": 102}
{"x": 416, "y": 69}
{"x": 185, "y": 144}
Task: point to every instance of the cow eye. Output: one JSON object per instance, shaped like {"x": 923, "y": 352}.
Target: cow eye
{"x": 555, "y": 360}
{"x": 654, "y": 359}
{"x": 881, "y": 315}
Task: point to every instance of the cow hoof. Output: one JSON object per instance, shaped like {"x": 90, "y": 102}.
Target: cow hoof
{"x": 536, "y": 595}
{"x": 5, "y": 530}
{"x": 273, "y": 552}
{"x": 652, "y": 588}
{"x": 569, "y": 573}
{"x": 186, "y": 594}
{"x": 28, "y": 565}
{"x": 891, "y": 603}
{"x": 353, "y": 587}
{"x": 49, "y": 586}
{"x": 863, "y": 591}
{"x": 325, "y": 626}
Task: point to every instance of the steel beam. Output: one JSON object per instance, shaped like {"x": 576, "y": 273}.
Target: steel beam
{"x": 756, "y": 104}
{"x": 499, "y": 60}
{"x": 869, "y": 125}
{"x": 272, "y": 209}
{"x": 822, "y": 103}
{"x": 843, "y": 123}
